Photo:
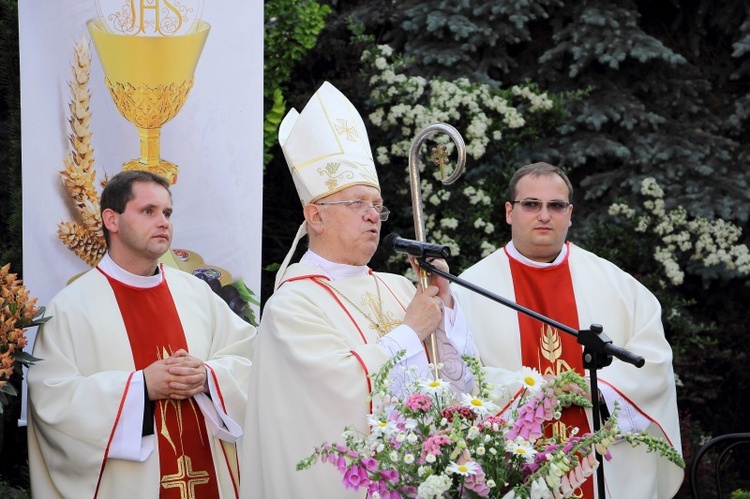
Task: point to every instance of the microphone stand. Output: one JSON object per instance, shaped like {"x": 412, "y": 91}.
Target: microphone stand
{"x": 598, "y": 349}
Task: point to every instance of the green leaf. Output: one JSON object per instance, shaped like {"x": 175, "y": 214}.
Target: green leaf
{"x": 9, "y": 389}
{"x": 25, "y": 358}
{"x": 245, "y": 293}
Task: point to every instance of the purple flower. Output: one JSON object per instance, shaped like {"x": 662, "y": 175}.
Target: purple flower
{"x": 355, "y": 477}
{"x": 390, "y": 475}
{"x": 380, "y": 487}
{"x": 369, "y": 463}
{"x": 531, "y": 415}
{"x": 476, "y": 483}
{"x": 400, "y": 420}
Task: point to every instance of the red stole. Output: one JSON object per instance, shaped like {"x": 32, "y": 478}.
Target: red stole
{"x": 549, "y": 291}
{"x": 155, "y": 332}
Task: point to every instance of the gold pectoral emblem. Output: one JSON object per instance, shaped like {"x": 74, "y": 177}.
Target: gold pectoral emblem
{"x": 384, "y": 321}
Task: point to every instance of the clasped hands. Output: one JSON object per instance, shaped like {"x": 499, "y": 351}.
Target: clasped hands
{"x": 178, "y": 377}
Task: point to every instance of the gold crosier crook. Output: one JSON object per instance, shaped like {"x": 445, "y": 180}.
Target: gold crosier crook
{"x": 440, "y": 159}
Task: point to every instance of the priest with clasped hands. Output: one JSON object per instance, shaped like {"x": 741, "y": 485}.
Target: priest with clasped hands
{"x": 332, "y": 320}
{"x": 142, "y": 384}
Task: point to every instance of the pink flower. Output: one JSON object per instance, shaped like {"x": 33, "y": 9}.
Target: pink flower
{"x": 490, "y": 422}
{"x": 433, "y": 444}
{"x": 408, "y": 491}
{"x": 477, "y": 483}
{"x": 370, "y": 464}
{"x": 380, "y": 487}
{"x": 464, "y": 412}
{"x": 390, "y": 475}
{"x": 418, "y": 402}
{"x": 531, "y": 416}
{"x": 355, "y": 477}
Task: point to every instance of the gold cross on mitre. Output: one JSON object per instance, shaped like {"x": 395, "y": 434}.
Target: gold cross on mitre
{"x": 344, "y": 128}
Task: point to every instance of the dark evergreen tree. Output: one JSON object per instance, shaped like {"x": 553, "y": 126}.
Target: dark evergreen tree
{"x": 668, "y": 84}
{"x": 10, "y": 138}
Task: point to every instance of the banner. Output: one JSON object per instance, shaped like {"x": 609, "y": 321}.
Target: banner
{"x": 215, "y": 139}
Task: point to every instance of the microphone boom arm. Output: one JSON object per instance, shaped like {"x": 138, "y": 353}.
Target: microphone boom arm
{"x": 599, "y": 337}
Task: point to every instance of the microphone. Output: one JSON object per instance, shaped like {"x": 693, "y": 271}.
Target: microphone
{"x": 393, "y": 243}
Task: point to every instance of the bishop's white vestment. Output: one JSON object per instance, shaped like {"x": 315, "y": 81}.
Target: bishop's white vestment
{"x": 631, "y": 317}
{"x": 87, "y": 398}
{"x": 314, "y": 353}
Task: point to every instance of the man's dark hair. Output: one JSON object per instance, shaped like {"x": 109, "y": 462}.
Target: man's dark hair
{"x": 535, "y": 170}
{"x": 119, "y": 190}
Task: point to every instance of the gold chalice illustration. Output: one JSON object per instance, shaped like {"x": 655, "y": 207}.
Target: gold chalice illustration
{"x": 149, "y": 78}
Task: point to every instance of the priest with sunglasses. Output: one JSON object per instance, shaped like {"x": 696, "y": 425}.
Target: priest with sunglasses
{"x": 541, "y": 271}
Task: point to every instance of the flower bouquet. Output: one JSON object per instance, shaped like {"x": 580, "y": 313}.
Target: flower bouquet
{"x": 17, "y": 312}
{"x": 431, "y": 442}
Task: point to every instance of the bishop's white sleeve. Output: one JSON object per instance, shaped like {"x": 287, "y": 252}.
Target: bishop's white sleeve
{"x": 455, "y": 340}
{"x": 403, "y": 337}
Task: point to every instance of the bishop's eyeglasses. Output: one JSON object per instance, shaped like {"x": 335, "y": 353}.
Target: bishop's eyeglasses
{"x": 360, "y": 207}
{"x": 535, "y": 205}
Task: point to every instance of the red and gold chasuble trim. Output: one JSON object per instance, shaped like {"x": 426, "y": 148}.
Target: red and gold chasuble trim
{"x": 155, "y": 332}
{"x": 549, "y": 291}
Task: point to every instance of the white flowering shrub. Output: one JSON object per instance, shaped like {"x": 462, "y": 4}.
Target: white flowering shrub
{"x": 495, "y": 123}
{"x": 697, "y": 245}
{"x": 682, "y": 259}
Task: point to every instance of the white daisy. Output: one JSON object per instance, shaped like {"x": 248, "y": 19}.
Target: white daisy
{"x": 435, "y": 386}
{"x": 530, "y": 379}
{"x": 467, "y": 468}
{"x": 479, "y": 406}
{"x": 381, "y": 426}
{"x": 521, "y": 447}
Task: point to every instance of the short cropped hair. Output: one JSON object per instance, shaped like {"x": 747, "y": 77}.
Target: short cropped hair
{"x": 119, "y": 190}
{"x": 537, "y": 169}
